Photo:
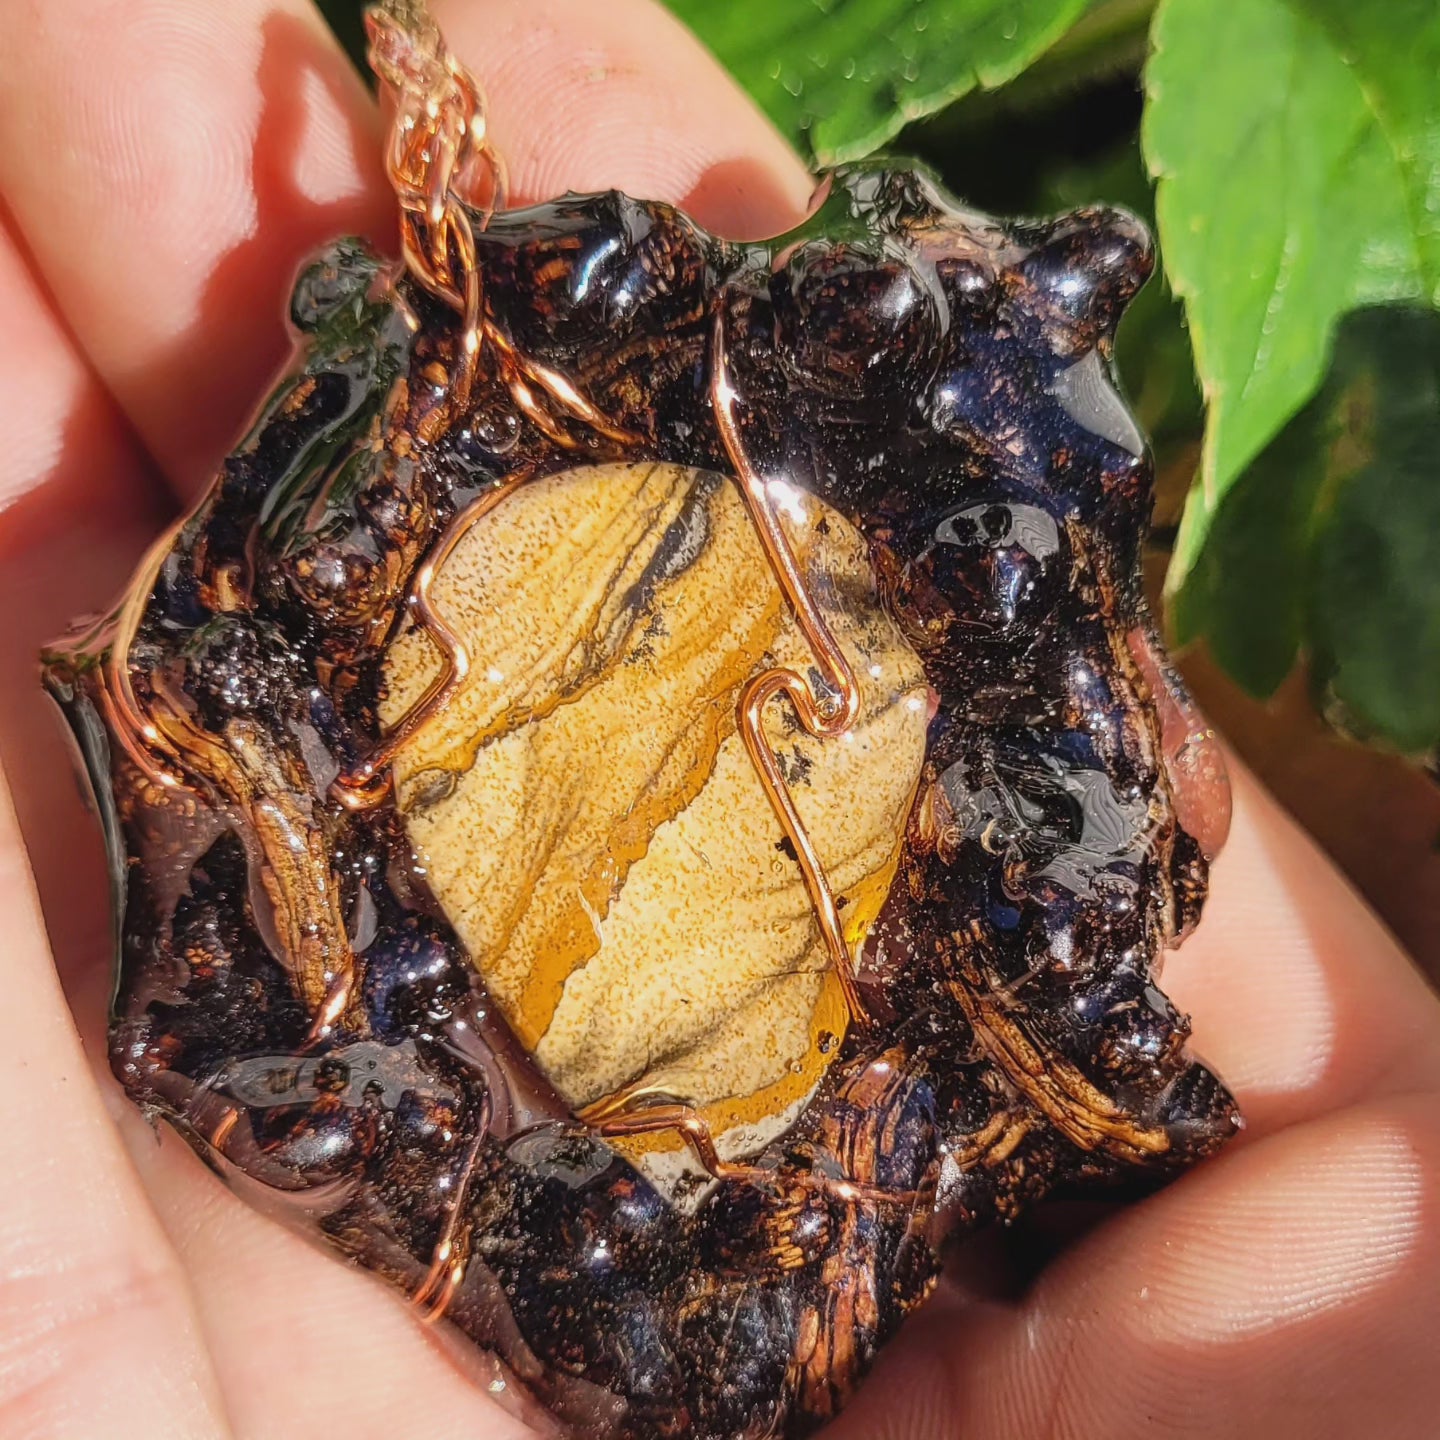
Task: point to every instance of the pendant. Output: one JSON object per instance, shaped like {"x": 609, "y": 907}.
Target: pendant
{"x": 645, "y": 797}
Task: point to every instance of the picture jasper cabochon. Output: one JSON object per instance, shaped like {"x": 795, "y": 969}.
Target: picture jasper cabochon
{"x": 639, "y": 847}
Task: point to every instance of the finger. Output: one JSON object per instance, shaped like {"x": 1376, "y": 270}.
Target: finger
{"x": 302, "y": 1336}
{"x": 169, "y": 164}
{"x": 586, "y": 97}
{"x": 1301, "y": 999}
{"x": 97, "y": 1333}
{"x": 1285, "y": 1289}
{"x": 78, "y": 505}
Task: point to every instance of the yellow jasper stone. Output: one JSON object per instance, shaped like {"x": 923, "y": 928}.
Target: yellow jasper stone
{"x": 588, "y": 816}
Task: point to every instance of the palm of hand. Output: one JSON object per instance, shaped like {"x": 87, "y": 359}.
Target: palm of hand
{"x": 161, "y": 180}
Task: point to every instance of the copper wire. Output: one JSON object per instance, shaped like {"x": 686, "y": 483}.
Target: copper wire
{"x": 438, "y": 144}
{"x": 338, "y": 993}
{"x": 449, "y": 1259}
{"x": 696, "y": 1133}
{"x": 520, "y": 368}
{"x": 439, "y": 160}
{"x": 826, "y": 716}
{"x": 221, "y": 1133}
{"x": 366, "y": 785}
{"x": 140, "y": 736}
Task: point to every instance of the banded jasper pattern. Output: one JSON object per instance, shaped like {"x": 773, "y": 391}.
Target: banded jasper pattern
{"x": 590, "y": 821}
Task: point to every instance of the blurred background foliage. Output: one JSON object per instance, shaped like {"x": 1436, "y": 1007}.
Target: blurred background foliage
{"x": 1286, "y": 361}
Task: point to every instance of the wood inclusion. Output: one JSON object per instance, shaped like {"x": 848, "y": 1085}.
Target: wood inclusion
{"x": 458, "y": 919}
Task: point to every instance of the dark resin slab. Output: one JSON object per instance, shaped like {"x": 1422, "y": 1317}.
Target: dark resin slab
{"x": 292, "y": 995}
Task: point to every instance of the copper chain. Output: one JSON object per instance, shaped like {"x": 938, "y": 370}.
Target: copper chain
{"x": 441, "y": 164}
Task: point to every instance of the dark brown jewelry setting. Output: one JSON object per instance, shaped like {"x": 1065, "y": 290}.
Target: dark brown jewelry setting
{"x": 646, "y": 796}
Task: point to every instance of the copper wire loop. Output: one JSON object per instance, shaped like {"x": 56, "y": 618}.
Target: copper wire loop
{"x": 826, "y": 716}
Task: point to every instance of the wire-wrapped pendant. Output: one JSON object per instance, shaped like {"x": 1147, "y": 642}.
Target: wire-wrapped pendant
{"x": 645, "y": 796}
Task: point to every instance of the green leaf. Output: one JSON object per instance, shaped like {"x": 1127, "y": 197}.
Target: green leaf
{"x": 1395, "y": 51}
{"x": 1282, "y": 204}
{"x": 842, "y": 77}
{"x": 1330, "y": 542}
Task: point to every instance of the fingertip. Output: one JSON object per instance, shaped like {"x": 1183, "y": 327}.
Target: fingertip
{"x": 1300, "y": 997}
{"x": 594, "y": 97}
{"x": 1304, "y": 1256}
{"x": 179, "y": 161}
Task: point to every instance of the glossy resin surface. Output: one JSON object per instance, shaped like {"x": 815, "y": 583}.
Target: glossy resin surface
{"x": 457, "y": 922}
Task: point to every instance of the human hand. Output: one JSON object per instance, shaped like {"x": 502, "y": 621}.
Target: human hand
{"x": 164, "y": 167}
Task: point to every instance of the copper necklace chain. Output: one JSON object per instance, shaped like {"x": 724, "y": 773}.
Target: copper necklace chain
{"x": 438, "y": 152}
